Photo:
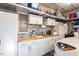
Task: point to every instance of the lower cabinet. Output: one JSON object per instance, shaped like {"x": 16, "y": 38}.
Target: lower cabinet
{"x": 36, "y": 48}
{"x": 23, "y": 49}
{"x": 51, "y": 44}
{"x": 43, "y": 46}
{"x": 57, "y": 38}
{"x": 28, "y": 49}
{"x": 33, "y": 48}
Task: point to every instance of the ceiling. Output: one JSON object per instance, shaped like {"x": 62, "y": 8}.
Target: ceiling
{"x": 62, "y": 7}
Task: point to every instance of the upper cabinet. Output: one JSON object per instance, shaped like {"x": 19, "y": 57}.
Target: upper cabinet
{"x": 50, "y": 22}
{"x": 35, "y": 19}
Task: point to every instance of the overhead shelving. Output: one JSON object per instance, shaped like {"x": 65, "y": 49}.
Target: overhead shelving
{"x": 38, "y": 12}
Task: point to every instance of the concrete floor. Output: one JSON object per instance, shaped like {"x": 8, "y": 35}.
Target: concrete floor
{"x": 51, "y": 53}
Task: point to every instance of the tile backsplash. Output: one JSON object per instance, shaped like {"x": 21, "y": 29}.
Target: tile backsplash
{"x": 38, "y": 29}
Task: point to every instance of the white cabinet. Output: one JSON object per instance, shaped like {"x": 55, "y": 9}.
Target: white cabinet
{"x": 23, "y": 49}
{"x": 43, "y": 46}
{"x": 57, "y": 38}
{"x": 50, "y": 22}
{"x": 37, "y": 47}
{"x": 8, "y": 33}
{"x": 35, "y": 19}
{"x": 51, "y": 44}
{"x": 33, "y": 48}
{"x": 28, "y": 48}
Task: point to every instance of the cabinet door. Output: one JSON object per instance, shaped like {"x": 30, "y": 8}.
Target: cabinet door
{"x": 51, "y": 44}
{"x": 35, "y": 19}
{"x": 33, "y": 49}
{"x": 32, "y": 19}
{"x": 53, "y": 22}
{"x": 39, "y": 20}
{"x": 9, "y": 32}
{"x": 23, "y": 49}
{"x": 50, "y": 22}
{"x": 43, "y": 47}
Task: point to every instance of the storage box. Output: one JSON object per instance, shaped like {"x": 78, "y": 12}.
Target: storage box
{"x": 72, "y": 15}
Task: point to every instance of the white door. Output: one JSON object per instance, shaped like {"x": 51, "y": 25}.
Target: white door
{"x": 8, "y": 34}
